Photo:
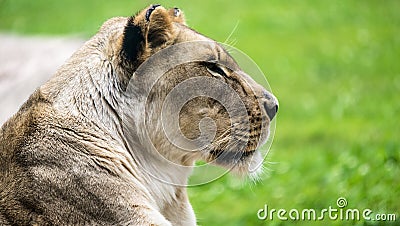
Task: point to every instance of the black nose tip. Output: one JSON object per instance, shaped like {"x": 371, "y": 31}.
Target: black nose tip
{"x": 270, "y": 104}
{"x": 271, "y": 111}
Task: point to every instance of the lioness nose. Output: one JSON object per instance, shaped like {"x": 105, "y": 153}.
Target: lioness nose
{"x": 270, "y": 104}
{"x": 271, "y": 112}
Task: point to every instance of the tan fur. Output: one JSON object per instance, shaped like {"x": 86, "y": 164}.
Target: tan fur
{"x": 75, "y": 152}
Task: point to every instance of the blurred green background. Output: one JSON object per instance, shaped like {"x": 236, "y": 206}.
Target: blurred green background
{"x": 334, "y": 66}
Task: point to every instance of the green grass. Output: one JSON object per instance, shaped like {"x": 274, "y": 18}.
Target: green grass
{"x": 334, "y": 66}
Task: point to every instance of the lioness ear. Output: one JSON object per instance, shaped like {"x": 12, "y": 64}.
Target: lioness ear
{"x": 149, "y": 30}
{"x": 159, "y": 26}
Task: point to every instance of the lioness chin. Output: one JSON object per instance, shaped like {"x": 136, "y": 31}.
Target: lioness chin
{"x": 95, "y": 144}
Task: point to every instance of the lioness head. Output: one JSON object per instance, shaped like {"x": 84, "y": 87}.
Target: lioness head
{"x": 201, "y": 105}
{"x": 179, "y": 94}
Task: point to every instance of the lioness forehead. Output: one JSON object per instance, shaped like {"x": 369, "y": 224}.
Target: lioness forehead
{"x": 115, "y": 29}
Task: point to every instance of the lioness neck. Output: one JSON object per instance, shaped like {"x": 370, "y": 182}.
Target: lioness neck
{"x": 130, "y": 157}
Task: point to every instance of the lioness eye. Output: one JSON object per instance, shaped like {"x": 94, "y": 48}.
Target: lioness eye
{"x": 215, "y": 70}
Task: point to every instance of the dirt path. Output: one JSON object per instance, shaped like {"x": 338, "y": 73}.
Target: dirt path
{"x": 25, "y": 64}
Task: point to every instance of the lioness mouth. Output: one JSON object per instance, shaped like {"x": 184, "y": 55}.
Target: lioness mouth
{"x": 223, "y": 156}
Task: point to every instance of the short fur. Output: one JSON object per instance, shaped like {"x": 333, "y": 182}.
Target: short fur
{"x": 67, "y": 157}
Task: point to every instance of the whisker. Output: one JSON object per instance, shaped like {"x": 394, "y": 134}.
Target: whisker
{"x": 232, "y": 32}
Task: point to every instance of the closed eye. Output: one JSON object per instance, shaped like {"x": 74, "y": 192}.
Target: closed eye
{"x": 215, "y": 70}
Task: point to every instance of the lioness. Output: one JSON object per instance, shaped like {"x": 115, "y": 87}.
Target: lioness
{"x": 90, "y": 146}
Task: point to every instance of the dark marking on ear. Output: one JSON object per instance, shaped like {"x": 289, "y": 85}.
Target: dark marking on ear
{"x": 177, "y": 12}
{"x": 150, "y": 10}
{"x": 133, "y": 41}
